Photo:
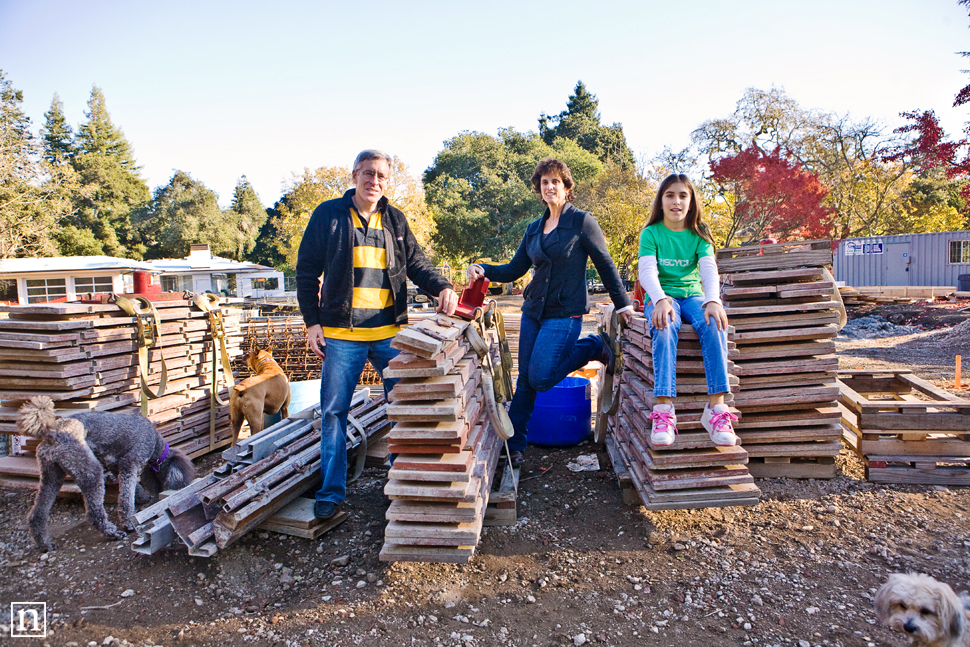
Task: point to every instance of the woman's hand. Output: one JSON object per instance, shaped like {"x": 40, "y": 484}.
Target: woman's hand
{"x": 475, "y": 272}
{"x": 714, "y": 310}
{"x": 663, "y": 313}
{"x": 627, "y": 317}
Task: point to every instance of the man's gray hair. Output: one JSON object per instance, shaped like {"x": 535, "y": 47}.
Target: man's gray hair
{"x": 371, "y": 154}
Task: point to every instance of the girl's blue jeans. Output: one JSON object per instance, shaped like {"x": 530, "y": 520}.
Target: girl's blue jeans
{"x": 664, "y": 344}
{"x": 549, "y": 350}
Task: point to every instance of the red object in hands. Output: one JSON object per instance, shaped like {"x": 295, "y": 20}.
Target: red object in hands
{"x": 472, "y": 297}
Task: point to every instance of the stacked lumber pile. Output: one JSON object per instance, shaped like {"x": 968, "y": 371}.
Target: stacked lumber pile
{"x": 84, "y": 356}
{"x": 692, "y": 472}
{"x": 853, "y": 297}
{"x": 905, "y": 429}
{"x": 260, "y": 486}
{"x": 782, "y": 303}
{"x": 446, "y": 451}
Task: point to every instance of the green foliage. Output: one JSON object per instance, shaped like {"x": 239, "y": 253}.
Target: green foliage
{"x": 266, "y": 251}
{"x": 480, "y": 193}
{"x": 29, "y": 206}
{"x": 110, "y": 187}
{"x": 580, "y": 122}
{"x": 181, "y": 213}
{"x": 72, "y": 241}
{"x": 57, "y": 135}
{"x": 245, "y": 218}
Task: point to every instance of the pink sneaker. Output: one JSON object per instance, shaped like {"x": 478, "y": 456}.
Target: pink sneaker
{"x": 717, "y": 422}
{"x": 664, "y": 427}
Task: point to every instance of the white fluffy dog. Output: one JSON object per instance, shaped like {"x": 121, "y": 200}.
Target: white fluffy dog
{"x": 927, "y": 610}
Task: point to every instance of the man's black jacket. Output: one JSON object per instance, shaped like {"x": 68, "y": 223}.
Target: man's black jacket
{"x": 327, "y": 248}
{"x": 558, "y": 288}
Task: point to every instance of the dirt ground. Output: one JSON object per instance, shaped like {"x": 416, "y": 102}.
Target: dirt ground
{"x": 579, "y": 567}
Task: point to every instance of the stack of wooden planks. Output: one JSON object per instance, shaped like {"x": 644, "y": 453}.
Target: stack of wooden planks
{"x": 783, "y": 305}
{"x": 854, "y": 297}
{"x": 692, "y": 472}
{"x": 84, "y": 356}
{"x": 905, "y": 429}
{"x": 446, "y": 450}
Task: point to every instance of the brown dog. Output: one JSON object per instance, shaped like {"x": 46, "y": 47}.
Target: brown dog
{"x": 266, "y": 391}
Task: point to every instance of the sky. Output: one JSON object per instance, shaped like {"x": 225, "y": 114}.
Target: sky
{"x": 224, "y": 89}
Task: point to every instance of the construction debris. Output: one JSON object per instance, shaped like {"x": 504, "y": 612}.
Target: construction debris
{"x": 161, "y": 356}
{"x": 692, "y": 472}
{"x": 786, "y": 311}
{"x": 262, "y": 475}
{"x": 905, "y": 429}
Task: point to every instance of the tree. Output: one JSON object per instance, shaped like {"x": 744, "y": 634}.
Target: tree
{"x": 57, "y": 135}
{"x": 620, "y": 200}
{"x": 580, "y": 121}
{"x": 480, "y": 193}
{"x": 244, "y": 218}
{"x": 297, "y": 205}
{"x": 771, "y": 195}
{"x": 181, "y": 213}
{"x": 28, "y": 211}
{"x": 110, "y": 186}
{"x": 845, "y": 155}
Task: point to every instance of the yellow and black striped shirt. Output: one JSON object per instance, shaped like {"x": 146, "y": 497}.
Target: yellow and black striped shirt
{"x": 372, "y": 317}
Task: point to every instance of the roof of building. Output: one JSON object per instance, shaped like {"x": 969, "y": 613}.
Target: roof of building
{"x": 201, "y": 261}
{"x": 71, "y": 264}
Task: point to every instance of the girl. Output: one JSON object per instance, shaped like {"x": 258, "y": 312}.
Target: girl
{"x": 679, "y": 274}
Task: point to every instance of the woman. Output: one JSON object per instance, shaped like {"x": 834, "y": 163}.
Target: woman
{"x": 558, "y": 246}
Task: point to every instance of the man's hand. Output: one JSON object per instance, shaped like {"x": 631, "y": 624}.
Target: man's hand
{"x": 447, "y": 301}
{"x": 714, "y": 310}
{"x": 663, "y": 313}
{"x": 475, "y": 272}
{"x": 314, "y": 335}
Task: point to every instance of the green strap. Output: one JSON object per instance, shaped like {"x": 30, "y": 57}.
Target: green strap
{"x": 146, "y": 322}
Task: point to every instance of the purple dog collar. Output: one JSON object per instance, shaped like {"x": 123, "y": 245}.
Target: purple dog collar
{"x": 157, "y": 464}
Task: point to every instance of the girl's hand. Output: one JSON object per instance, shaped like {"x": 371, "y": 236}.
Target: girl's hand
{"x": 627, "y": 317}
{"x": 714, "y": 310}
{"x": 474, "y": 273}
{"x": 663, "y": 313}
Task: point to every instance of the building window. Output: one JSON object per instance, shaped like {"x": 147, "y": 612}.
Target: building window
{"x": 177, "y": 283}
{"x": 959, "y": 251}
{"x": 85, "y": 284}
{"x": 44, "y": 290}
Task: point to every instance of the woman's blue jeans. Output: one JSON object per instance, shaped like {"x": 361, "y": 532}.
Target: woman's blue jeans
{"x": 549, "y": 350}
{"x": 339, "y": 377}
{"x": 664, "y": 345}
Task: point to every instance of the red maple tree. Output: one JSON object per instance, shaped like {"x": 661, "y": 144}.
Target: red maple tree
{"x": 774, "y": 196}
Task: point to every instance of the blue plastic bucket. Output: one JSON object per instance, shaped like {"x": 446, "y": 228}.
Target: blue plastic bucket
{"x": 562, "y": 414}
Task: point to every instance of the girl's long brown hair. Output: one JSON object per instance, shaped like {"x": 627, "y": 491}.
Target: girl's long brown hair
{"x": 695, "y": 213}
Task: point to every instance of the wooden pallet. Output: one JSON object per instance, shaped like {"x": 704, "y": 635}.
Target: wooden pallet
{"x": 805, "y": 467}
{"x": 925, "y": 470}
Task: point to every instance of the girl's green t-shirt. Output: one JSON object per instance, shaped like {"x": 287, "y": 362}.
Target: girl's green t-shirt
{"x": 678, "y": 253}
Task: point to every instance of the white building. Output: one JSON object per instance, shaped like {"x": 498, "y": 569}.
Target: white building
{"x": 201, "y": 272}
{"x": 65, "y": 278}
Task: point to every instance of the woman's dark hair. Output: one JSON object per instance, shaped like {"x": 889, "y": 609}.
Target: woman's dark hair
{"x": 550, "y": 166}
{"x": 695, "y": 213}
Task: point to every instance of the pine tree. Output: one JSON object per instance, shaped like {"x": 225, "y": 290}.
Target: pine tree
{"x": 580, "y": 122}
{"x": 25, "y": 220}
{"x": 248, "y": 215}
{"x": 110, "y": 184}
{"x": 57, "y": 134}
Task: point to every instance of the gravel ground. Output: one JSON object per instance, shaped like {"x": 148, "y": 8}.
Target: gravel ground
{"x": 579, "y": 567}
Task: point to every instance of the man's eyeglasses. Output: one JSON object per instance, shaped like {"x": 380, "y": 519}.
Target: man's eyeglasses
{"x": 371, "y": 175}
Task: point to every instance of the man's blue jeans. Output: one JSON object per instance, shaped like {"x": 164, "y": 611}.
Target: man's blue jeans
{"x": 342, "y": 367}
{"x": 664, "y": 345}
{"x": 548, "y": 352}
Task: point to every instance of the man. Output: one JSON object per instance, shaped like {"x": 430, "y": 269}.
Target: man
{"x": 365, "y": 252}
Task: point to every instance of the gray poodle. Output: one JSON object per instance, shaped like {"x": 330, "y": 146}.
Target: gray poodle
{"x": 79, "y": 445}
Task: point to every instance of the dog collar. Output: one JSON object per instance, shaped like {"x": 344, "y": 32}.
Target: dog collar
{"x": 157, "y": 464}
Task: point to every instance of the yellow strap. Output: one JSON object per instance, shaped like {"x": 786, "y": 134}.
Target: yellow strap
{"x": 146, "y": 323}
{"x": 209, "y": 303}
